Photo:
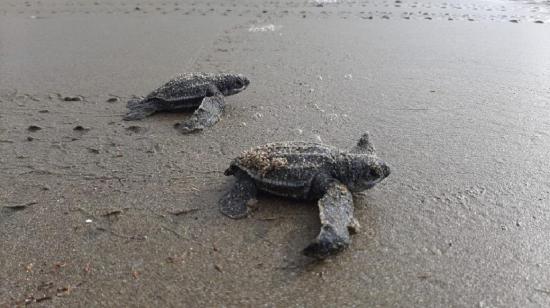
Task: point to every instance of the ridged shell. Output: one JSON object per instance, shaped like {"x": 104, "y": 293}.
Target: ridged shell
{"x": 185, "y": 86}
{"x": 285, "y": 168}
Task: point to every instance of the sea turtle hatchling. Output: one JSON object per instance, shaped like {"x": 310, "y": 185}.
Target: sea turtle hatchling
{"x": 304, "y": 170}
{"x": 201, "y": 91}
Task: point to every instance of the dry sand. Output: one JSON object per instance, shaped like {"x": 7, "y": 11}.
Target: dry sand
{"x": 114, "y": 213}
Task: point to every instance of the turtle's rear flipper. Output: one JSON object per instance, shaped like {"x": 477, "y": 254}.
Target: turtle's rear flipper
{"x": 208, "y": 114}
{"x": 336, "y": 213}
{"x": 235, "y": 203}
{"x": 138, "y": 109}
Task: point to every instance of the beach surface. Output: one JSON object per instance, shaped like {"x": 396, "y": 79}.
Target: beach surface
{"x": 96, "y": 211}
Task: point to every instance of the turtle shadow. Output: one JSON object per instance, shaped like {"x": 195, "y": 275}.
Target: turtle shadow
{"x": 295, "y": 265}
{"x": 296, "y": 224}
{"x": 177, "y": 114}
{"x": 268, "y": 203}
{"x": 159, "y": 111}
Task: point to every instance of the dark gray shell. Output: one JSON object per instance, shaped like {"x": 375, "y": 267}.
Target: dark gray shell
{"x": 187, "y": 86}
{"x": 286, "y": 169}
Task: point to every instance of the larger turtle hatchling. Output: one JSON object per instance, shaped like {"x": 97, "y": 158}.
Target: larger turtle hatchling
{"x": 309, "y": 171}
{"x": 203, "y": 92}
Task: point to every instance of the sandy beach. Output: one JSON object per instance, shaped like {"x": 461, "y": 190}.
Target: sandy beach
{"x": 96, "y": 211}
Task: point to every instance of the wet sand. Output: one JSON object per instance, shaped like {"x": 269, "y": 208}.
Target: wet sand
{"x": 97, "y": 211}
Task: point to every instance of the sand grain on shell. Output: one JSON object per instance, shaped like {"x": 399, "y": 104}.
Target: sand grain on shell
{"x": 262, "y": 159}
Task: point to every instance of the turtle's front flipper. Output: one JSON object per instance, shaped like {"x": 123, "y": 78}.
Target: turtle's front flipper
{"x": 235, "y": 203}
{"x": 208, "y": 114}
{"x": 336, "y": 213}
{"x": 139, "y": 109}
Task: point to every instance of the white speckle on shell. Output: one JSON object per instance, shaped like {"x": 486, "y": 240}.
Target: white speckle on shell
{"x": 261, "y": 160}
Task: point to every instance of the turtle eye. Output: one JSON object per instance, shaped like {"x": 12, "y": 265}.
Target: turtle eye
{"x": 239, "y": 83}
{"x": 373, "y": 174}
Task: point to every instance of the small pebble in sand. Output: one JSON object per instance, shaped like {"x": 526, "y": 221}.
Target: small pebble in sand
{"x": 514, "y": 21}
{"x": 348, "y": 76}
{"x": 80, "y": 128}
{"x": 539, "y": 21}
{"x": 29, "y": 138}
{"x": 113, "y": 100}
{"x": 72, "y": 98}
{"x": 88, "y": 221}
{"x": 43, "y": 111}
{"x": 34, "y": 128}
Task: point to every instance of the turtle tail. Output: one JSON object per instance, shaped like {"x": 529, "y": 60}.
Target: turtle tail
{"x": 139, "y": 109}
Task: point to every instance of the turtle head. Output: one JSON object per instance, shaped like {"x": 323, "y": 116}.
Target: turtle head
{"x": 368, "y": 171}
{"x": 363, "y": 169}
{"x": 233, "y": 84}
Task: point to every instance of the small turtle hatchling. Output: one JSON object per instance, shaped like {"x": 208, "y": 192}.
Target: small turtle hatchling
{"x": 309, "y": 171}
{"x": 203, "y": 92}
